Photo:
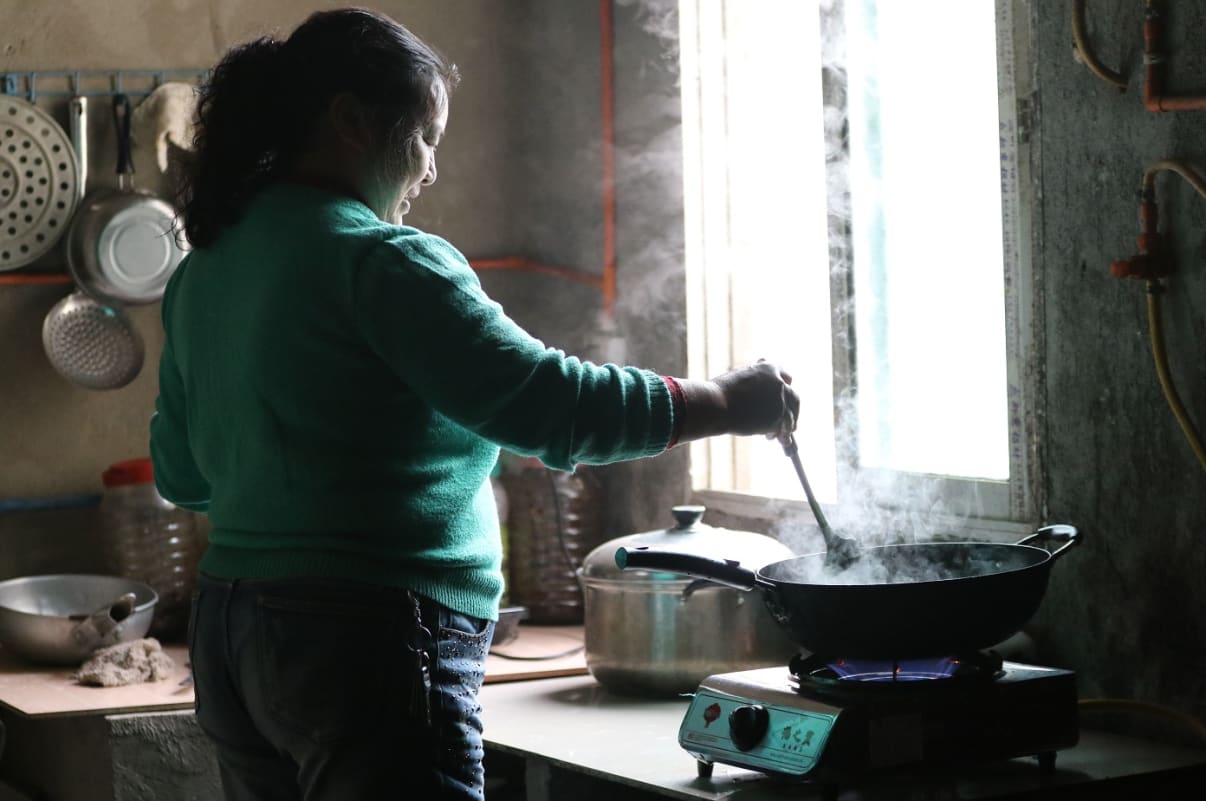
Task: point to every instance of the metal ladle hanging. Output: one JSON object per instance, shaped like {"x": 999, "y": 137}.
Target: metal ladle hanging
{"x": 841, "y": 552}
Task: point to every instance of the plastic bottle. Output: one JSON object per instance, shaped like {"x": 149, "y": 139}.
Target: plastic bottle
{"x": 148, "y": 539}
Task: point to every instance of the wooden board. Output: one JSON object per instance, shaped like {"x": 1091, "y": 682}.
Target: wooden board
{"x": 538, "y": 652}
{"x": 43, "y": 691}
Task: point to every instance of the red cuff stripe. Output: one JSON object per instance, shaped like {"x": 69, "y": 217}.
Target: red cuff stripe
{"x": 679, "y": 399}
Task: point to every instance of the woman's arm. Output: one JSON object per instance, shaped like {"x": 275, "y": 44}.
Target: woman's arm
{"x": 756, "y": 399}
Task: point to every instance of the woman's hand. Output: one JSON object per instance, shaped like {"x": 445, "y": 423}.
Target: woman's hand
{"x": 755, "y": 399}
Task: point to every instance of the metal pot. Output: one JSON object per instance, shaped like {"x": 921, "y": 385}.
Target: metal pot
{"x": 652, "y": 632}
{"x": 61, "y": 619}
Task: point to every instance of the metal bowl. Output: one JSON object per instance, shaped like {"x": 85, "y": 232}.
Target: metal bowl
{"x": 61, "y": 619}
{"x": 507, "y": 627}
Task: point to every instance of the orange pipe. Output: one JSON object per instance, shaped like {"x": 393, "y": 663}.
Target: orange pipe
{"x": 606, "y": 282}
{"x": 19, "y": 280}
{"x": 1152, "y": 263}
{"x": 527, "y": 265}
{"x": 1153, "y": 70}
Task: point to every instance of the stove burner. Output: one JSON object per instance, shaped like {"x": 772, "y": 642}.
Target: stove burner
{"x": 898, "y": 670}
{"x": 837, "y": 731}
{"x": 821, "y": 673}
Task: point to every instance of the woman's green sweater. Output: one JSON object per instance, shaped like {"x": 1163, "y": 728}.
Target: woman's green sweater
{"x": 334, "y": 390}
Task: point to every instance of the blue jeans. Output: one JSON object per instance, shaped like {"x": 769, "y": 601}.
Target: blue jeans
{"x": 326, "y": 689}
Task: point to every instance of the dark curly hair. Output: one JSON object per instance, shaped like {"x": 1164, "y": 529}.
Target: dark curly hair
{"x": 258, "y": 107}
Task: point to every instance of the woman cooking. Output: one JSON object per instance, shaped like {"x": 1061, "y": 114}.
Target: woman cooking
{"x": 334, "y": 390}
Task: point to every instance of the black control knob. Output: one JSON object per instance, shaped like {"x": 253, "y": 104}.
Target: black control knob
{"x": 748, "y": 725}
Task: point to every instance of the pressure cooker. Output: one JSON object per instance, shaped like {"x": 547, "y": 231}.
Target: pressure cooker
{"x": 658, "y": 633}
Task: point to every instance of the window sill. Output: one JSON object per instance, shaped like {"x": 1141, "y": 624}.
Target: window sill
{"x": 769, "y": 513}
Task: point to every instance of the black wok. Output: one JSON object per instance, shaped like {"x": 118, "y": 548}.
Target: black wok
{"x": 896, "y": 601}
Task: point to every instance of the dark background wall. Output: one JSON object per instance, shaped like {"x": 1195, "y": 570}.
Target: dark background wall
{"x": 1127, "y": 610}
{"x": 520, "y": 174}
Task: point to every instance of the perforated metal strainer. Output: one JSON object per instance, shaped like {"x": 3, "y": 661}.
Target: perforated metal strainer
{"x": 92, "y": 344}
{"x": 39, "y": 182}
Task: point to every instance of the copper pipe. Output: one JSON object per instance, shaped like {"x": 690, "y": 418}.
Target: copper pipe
{"x": 1153, "y": 66}
{"x": 1151, "y": 262}
{"x": 1155, "y": 327}
{"x": 1185, "y": 170}
{"x": 1080, "y": 38}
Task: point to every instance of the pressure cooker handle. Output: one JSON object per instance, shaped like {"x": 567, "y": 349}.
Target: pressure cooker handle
{"x": 1057, "y": 531}
{"x": 722, "y": 571}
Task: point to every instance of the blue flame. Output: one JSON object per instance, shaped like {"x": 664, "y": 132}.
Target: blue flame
{"x": 894, "y": 670}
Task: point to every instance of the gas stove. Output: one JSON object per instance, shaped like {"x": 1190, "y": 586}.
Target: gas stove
{"x": 834, "y": 721}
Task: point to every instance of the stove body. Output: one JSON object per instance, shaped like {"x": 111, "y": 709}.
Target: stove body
{"x": 799, "y": 723}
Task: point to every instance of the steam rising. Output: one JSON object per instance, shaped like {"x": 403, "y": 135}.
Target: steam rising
{"x": 658, "y": 18}
{"x": 861, "y": 512}
{"x": 904, "y": 564}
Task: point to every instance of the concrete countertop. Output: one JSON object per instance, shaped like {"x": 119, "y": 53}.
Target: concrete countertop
{"x": 577, "y": 725}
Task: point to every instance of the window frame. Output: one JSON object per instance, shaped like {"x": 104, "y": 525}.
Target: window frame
{"x": 1008, "y": 508}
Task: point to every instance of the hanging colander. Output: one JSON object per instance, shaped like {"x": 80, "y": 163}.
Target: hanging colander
{"x": 91, "y": 344}
{"x": 39, "y": 182}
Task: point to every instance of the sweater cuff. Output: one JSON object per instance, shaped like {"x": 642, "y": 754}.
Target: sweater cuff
{"x": 679, "y": 400}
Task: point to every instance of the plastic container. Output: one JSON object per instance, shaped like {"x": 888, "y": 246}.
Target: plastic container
{"x": 151, "y": 540}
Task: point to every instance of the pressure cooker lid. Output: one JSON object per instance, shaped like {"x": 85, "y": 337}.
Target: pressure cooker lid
{"x": 689, "y": 535}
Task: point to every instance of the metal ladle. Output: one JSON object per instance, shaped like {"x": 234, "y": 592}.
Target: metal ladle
{"x": 841, "y": 552}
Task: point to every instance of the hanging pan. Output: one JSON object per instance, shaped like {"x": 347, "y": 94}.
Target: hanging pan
{"x": 123, "y": 244}
{"x": 39, "y": 182}
{"x": 88, "y": 342}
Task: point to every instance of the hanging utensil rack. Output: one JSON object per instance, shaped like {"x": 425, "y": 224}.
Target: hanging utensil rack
{"x": 39, "y": 84}
{"x": 55, "y": 85}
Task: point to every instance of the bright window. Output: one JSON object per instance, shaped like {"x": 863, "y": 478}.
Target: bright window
{"x": 844, "y": 205}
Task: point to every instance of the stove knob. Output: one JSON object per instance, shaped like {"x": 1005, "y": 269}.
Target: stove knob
{"x": 748, "y": 725}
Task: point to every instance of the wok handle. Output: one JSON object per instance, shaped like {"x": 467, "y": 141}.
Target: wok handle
{"x": 1057, "y": 531}
{"x": 78, "y": 111}
{"x": 722, "y": 571}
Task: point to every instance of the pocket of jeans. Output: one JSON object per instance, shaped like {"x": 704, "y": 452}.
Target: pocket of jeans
{"x": 463, "y": 643}
{"x": 327, "y": 666}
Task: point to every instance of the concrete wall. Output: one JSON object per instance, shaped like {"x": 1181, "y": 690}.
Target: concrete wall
{"x": 1128, "y": 610}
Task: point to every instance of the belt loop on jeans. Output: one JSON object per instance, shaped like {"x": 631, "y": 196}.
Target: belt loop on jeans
{"x": 419, "y": 641}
